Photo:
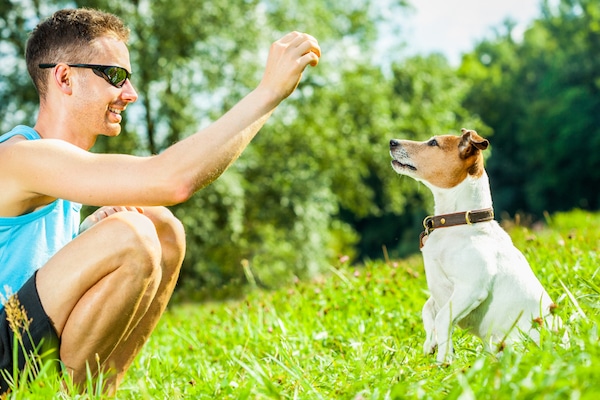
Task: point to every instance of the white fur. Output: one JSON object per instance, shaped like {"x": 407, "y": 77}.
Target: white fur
{"x": 476, "y": 277}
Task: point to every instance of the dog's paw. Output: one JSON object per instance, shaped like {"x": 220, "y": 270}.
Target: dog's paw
{"x": 429, "y": 346}
{"x": 442, "y": 360}
{"x": 445, "y": 354}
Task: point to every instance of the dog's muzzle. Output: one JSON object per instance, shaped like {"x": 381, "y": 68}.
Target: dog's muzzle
{"x": 401, "y": 160}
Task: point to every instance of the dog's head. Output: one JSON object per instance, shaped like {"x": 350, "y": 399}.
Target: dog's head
{"x": 442, "y": 161}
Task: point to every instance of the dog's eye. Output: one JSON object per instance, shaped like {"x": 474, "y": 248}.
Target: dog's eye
{"x": 432, "y": 143}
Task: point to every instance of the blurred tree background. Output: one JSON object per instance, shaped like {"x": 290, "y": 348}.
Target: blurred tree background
{"x": 316, "y": 183}
{"x": 541, "y": 96}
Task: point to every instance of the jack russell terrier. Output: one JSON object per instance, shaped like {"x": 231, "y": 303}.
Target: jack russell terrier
{"x": 477, "y": 279}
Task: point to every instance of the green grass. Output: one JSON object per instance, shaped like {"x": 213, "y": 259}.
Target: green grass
{"x": 356, "y": 333}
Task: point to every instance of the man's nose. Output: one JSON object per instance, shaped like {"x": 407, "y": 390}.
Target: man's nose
{"x": 129, "y": 94}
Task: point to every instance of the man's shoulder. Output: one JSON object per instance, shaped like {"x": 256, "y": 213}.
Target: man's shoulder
{"x": 18, "y": 134}
{"x": 14, "y": 201}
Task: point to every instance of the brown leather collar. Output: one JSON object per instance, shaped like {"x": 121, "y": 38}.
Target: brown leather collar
{"x": 460, "y": 218}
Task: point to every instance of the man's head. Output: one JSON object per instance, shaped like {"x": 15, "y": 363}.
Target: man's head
{"x": 79, "y": 63}
{"x": 68, "y": 36}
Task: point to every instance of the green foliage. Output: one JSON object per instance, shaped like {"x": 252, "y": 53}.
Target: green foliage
{"x": 316, "y": 183}
{"x": 421, "y": 98}
{"x": 18, "y": 98}
{"x": 276, "y": 211}
{"x": 313, "y": 185}
{"x": 541, "y": 98}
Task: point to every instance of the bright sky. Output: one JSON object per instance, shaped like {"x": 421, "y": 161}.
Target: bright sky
{"x": 453, "y": 27}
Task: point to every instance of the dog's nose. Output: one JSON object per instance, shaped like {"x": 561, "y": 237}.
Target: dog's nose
{"x": 393, "y": 143}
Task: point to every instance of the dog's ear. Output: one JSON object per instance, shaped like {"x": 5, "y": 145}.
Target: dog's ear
{"x": 471, "y": 143}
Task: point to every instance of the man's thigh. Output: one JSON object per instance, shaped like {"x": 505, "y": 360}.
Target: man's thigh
{"x": 90, "y": 257}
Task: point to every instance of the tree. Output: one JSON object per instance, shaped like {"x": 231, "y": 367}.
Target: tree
{"x": 18, "y": 98}
{"x": 541, "y": 98}
{"x": 316, "y": 181}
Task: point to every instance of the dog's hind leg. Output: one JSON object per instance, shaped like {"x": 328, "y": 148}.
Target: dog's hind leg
{"x": 428, "y": 314}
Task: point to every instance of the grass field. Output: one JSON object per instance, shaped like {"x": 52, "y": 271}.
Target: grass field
{"x": 356, "y": 333}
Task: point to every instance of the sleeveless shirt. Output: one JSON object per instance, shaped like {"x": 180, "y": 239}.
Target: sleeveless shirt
{"x": 28, "y": 241}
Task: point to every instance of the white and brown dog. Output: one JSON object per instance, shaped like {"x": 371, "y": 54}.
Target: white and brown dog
{"x": 476, "y": 277}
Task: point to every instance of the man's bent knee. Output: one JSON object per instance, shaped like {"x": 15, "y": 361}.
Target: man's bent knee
{"x": 171, "y": 234}
{"x": 166, "y": 224}
{"x": 137, "y": 238}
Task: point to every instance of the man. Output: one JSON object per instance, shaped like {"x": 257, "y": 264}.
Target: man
{"x": 100, "y": 292}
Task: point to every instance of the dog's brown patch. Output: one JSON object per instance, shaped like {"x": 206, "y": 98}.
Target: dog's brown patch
{"x": 444, "y": 161}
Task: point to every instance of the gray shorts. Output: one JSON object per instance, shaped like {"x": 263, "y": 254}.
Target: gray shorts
{"x": 41, "y": 338}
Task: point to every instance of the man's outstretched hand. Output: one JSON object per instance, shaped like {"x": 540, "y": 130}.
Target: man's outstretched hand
{"x": 288, "y": 57}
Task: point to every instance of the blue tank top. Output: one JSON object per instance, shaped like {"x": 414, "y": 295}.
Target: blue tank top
{"x": 28, "y": 241}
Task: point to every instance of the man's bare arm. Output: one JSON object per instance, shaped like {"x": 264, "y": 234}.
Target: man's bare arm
{"x": 58, "y": 169}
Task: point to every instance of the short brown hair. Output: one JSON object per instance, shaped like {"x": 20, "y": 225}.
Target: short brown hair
{"x": 66, "y": 37}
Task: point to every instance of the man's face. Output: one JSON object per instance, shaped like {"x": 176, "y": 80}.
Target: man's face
{"x": 98, "y": 104}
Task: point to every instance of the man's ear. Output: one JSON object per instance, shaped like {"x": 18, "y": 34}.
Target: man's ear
{"x": 61, "y": 77}
{"x": 471, "y": 143}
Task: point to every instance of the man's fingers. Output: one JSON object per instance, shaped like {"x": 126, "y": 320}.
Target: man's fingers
{"x": 311, "y": 59}
{"x": 290, "y": 37}
{"x": 311, "y": 52}
{"x": 288, "y": 57}
{"x": 306, "y": 43}
{"x": 106, "y": 211}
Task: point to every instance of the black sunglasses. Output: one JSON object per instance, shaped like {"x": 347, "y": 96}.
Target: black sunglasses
{"x": 114, "y": 75}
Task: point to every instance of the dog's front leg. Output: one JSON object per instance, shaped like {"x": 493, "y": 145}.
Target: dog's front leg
{"x": 428, "y": 314}
{"x": 464, "y": 299}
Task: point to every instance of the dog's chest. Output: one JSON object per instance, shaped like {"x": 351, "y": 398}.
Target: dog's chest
{"x": 458, "y": 255}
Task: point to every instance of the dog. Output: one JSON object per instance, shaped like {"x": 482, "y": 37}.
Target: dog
{"x": 477, "y": 279}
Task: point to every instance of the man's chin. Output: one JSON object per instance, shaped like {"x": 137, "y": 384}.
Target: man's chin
{"x": 112, "y": 130}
